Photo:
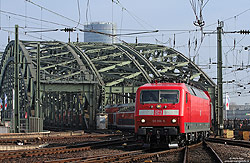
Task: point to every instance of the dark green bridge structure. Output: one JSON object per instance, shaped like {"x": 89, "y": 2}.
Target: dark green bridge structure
{"x": 61, "y": 84}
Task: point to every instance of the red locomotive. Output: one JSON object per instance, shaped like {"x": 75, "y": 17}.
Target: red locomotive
{"x": 121, "y": 116}
{"x": 171, "y": 113}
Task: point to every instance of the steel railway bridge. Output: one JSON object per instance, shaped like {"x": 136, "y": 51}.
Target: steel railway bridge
{"x": 66, "y": 84}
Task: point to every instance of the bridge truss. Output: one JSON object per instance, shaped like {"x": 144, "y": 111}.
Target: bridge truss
{"x": 76, "y": 80}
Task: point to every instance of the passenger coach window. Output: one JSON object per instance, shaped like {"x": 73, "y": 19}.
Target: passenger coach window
{"x": 186, "y": 97}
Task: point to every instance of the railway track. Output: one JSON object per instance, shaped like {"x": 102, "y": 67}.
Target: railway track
{"x": 100, "y": 158}
{"x": 201, "y": 153}
{"x": 49, "y": 139}
{"x": 231, "y": 150}
{"x": 184, "y": 154}
{"x": 63, "y": 149}
{"x": 230, "y": 142}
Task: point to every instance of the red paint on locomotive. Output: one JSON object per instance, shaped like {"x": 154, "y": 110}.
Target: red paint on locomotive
{"x": 171, "y": 110}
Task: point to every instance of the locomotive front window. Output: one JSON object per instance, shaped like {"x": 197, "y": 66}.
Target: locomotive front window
{"x": 160, "y": 96}
{"x": 150, "y": 96}
{"x": 169, "y": 96}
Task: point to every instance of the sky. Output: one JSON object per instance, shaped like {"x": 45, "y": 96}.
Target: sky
{"x": 174, "y": 20}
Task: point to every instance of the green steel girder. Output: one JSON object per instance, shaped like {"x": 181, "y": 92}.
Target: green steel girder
{"x": 66, "y": 87}
{"x": 173, "y": 62}
{"x": 89, "y": 63}
{"x": 143, "y": 61}
{"x": 114, "y": 66}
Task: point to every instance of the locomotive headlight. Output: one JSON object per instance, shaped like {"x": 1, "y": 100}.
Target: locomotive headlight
{"x": 143, "y": 120}
{"x": 174, "y": 120}
{"x": 158, "y": 106}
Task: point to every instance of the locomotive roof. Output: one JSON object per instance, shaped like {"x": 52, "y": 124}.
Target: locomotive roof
{"x": 164, "y": 84}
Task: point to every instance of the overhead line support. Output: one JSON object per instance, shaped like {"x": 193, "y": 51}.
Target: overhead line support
{"x": 219, "y": 78}
{"x": 16, "y": 123}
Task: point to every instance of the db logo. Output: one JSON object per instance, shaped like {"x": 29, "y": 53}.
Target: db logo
{"x": 158, "y": 112}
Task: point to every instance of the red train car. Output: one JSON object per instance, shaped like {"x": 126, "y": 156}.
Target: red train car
{"x": 171, "y": 113}
{"x": 121, "y": 116}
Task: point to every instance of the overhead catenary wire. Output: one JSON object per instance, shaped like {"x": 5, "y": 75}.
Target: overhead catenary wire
{"x": 22, "y": 33}
{"x": 136, "y": 18}
{"x": 29, "y": 17}
{"x": 87, "y": 8}
{"x": 41, "y": 22}
{"x": 79, "y": 14}
{"x": 0, "y": 14}
{"x": 118, "y": 2}
{"x": 145, "y": 36}
{"x": 53, "y": 12}
{"x": 25, "y": 28}
{"x": 7, "y": 13}
{"x": 229, "y": 18}
{"x": 232, "y": 48}
{"x": 25, "y": 8}
{"x": 48, "y": 10}
{"x": 198, "y": 7}
{"x": 25, "y": 22}
{"x": 121, "y": 20}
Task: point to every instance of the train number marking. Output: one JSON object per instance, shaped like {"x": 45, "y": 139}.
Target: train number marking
{"x": 158, "y": 121}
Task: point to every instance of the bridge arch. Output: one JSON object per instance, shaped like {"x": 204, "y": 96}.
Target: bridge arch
{"x": 78, "y": 79}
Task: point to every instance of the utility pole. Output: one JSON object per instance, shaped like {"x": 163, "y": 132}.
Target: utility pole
{"x": 37, "y": 112}
{"x": 219, "y": 78}
{"x": 16, "y": 105}
{"x": 218, "y": 112}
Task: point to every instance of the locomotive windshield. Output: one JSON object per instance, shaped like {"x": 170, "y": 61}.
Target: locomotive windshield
{"x": 160, "y": 96}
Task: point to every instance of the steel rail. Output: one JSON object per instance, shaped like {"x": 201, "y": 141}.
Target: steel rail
{"x": 211, "y": 150}
{"x": 206, "y": 147}
{"x": 150, "y": 155}
{"x": 185, "y": 157}
{"x": 62, "y": 149}
{"x": 98, "y": 158}
{"x": 46, "y": 139}
{"x": 230, "y": 142}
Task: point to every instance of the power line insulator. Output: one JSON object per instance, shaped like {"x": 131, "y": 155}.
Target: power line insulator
{"x": 244, "y": 32}
{"x": 68, "y": 29}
